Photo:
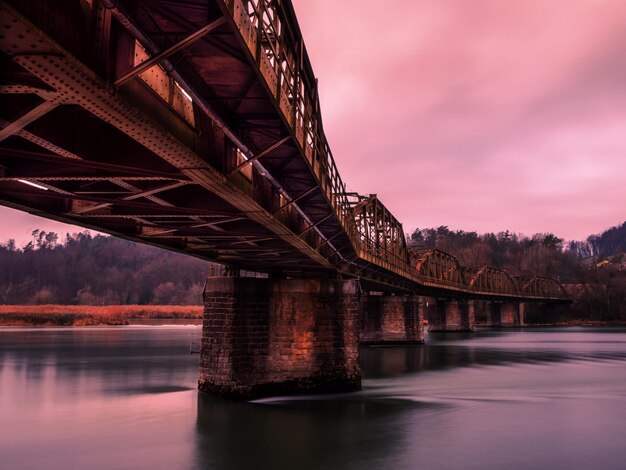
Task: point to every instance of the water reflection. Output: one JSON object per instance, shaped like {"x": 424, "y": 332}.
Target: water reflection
{"x": 125, "y": 398}
{"x": 496, "y": 347}
{"x": 300, "y": 434}
{"x": 101, "y": 360}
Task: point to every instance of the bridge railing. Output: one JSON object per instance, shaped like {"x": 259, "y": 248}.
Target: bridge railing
{"x": 271, "y": 32}
{"x": 489, "y": 279}
{"x": 437, "y": 267}
{"x": 540, "y": 287}
{"x": 380, "y": 234}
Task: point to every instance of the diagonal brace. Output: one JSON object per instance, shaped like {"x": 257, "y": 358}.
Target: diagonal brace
{"x": 293, "y": 201}
{"x": 146, "y": 64}
{"x": 259, "y": 155}
{"x": 26, "y": 119}
{"x": 316, "y": 224}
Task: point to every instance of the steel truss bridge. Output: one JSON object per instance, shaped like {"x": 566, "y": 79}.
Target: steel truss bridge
{"x": 195, "y": 126}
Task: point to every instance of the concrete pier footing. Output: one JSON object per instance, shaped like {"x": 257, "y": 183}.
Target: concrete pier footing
{"x": 506, "y": 314}
{"x": 450, "y": 315}
{"x": 391, "y": 319}
{"x": 263, "y": 337}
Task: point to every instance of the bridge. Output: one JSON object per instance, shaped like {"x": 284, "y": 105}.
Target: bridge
{"x": 195, "y": 126}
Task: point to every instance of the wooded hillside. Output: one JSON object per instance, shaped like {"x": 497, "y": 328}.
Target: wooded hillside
{"x": 97, "y": 270}
{"x": 102, "y": 270}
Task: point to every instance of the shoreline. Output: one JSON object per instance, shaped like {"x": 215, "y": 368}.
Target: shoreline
{"x": 579, "y": 323}
{"x": 95, "y": 315}
{"x": 128, "y": 315}
{"x": 563, "y": 323}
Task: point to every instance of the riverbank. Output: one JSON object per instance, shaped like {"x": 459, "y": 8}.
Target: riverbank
{"x": 93, "y": 315}
{"x": 579, "y": 323}
{"x": 562, "y": 323}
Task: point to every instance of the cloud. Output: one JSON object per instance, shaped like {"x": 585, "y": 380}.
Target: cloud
{"x": 481, "y": 115}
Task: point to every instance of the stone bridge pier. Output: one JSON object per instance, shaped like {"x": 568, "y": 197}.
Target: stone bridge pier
{"x": 449, "y": 314}
{"x": 391, "y": 318}
{"x": 264, "y": 337}
{"x": 505, "y": 314}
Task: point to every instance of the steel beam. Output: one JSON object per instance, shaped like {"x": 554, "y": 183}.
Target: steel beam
{"x": 180, "y": 45}
{"x": 293, "y": 201}
{"x": 76, "y": 161}
{"x": 136, "y": 195}
{"x": 269, "y": 149}
{"x": 23, "y": 121}
{"x": 311, "y": 227}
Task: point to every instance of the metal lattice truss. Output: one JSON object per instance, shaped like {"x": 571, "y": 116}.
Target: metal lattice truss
{"x": 540, "y": 286}
{"x": 489, "y": 279}
{"x": 272, "y": 35}
{"x": 438, "y": 267}
{"x": 379, "y": 232}
{"x": 196, "y": 126}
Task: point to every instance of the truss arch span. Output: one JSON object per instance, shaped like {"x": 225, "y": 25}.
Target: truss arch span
{"x": 439, "y": 266}
{"x": 489, "y": 279}
{"x": 543, "y": 287}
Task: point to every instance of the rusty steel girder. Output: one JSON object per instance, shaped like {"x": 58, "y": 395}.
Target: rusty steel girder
{"x": 196, "y": 127}
{"x": 442, "y": 268}
{"x": 439, "y": 266}
{"x": 489, "y": 279}
{"x": 380, "y": 234}
{"x": 542, "y": 287}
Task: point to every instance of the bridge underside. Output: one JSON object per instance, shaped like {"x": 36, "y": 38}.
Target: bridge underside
{"x": 127, "y": 164}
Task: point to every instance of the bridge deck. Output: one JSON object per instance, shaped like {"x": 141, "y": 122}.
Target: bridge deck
{"x": 213, "y": 147}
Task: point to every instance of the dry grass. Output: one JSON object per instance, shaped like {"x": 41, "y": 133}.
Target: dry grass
{"x": 87, "y": 315}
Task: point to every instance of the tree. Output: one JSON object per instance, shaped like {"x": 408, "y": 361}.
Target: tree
{"x": 88, "y": 269}
{"x": 552, "y": 241}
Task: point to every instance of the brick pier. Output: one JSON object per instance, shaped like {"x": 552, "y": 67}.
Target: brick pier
{"x": 389, "y": 319}
{"x": 264, "y": 337}
{"x": 503, "y": 314}
{"x": 450, "y": 315}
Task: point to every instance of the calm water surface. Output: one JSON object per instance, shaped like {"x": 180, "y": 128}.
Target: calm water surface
{"x": 125, "y": 398}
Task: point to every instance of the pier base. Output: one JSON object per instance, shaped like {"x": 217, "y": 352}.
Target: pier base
{"x": 506, "y": 314}
{"x": 263, "y": 337}
{"x": 451, "y": 315}
{"x": 389, "y": 319}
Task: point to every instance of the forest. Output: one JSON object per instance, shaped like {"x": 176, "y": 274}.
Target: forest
{"x": 83, "y": 269}
{"x": 97, "y": 270}
{"x": 592, "y": 271}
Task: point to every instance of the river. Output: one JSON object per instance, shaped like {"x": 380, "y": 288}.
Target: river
{"x": 125, "y": 398}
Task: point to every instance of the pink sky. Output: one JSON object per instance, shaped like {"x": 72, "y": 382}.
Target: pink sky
{"x": 481, "y": 115}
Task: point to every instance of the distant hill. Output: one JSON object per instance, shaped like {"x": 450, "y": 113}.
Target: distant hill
{"x": 97, "y": 270}
{"x": 610, "y": 242}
